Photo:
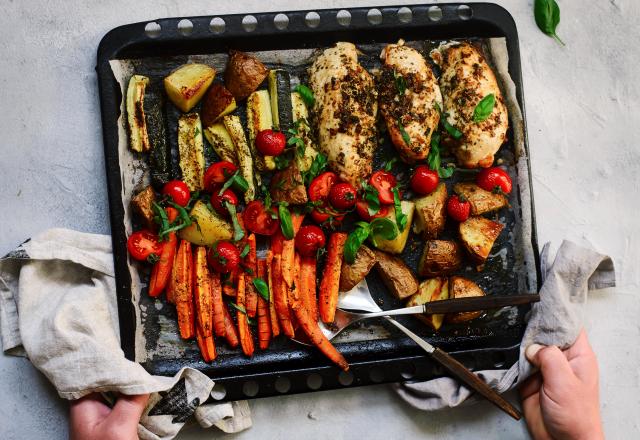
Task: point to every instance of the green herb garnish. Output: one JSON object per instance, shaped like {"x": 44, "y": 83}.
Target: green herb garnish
{"x": 372, "y": 198}
{"x": 484, "y": 108}
{"x": 237, "y": 307}
{"x": 285, "y": 221}
{"x": 401, "y": 217}
{"x": 262, "y": 288}
{"x": 238, "y": 233}
{"x": 318, "y": 164}
{"x": 379, "y": 227}
{"x": 401, "y": 83}
{"x": 236, "y": 181}
{"x": 390, "y": 163}
{"x": 306, "y": 93}
{"x": 547, "y": 15}
{"x": 245, "y": 251}
{"x": 403, "y": 133}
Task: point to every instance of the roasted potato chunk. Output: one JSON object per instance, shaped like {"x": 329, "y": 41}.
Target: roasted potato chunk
{"x": 288, "y": 186}
{"x": 478, "y": 235}
{"x": 431, "y": 213}
{"x": 207, "y": 227}
{"x": 433, "y": 289}
{"x": 217, "y": 102}
{"x": 396, "y": 275}
{"x": 244, "y": 74}
{"x": 460, "y": 287}
{"x": 187, "y": 84}
{"x": 481, "y": 201}
{"x": 352, "y": 274}
{"x": 440, "y": 257}
{"x": 142, "y": 204}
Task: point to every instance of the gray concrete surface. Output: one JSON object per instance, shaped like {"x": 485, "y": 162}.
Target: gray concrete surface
{"x": 582, "y": 104}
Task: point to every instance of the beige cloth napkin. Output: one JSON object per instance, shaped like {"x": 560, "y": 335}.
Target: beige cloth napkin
{"x": 58, "y": 306}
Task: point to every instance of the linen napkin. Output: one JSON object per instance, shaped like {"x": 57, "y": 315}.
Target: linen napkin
{"x": 58, "y": 306}
{"x": 555, "y": 320}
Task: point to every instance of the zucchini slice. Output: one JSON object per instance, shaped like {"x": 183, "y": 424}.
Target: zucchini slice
{"x": 136, "y": 120}
{"x": 245, "y": 161}
{"x": 160, "y": 154}
{"x": 218, "y": 136}
{"x": 280, "y": 94}
{"x": 259, "y": 118}
{"x": 300, "y": 112}
{"x": 191, "y": 149}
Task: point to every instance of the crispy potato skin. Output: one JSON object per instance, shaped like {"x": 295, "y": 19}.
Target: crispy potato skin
{"x": 460, "y": 287}
{"x": 143, "y": 205}
{"x": 216, "y": 103}
{"x": 244, "y": 73}
{"x": 440, "y": 257}
{"x": 186, "y": 85}
{"x": 396, "y": 275}
{"x": 288, "y": 186}
{"x": 352, "y": 274}
{"x": 478, "y": 235}
{"x": 433, "y": 289}
{"x": 481, "y": 201}
{"x": 431, "y": 213}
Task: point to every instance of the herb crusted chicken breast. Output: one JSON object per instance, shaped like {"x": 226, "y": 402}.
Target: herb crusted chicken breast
{"x": 345, "y": 111}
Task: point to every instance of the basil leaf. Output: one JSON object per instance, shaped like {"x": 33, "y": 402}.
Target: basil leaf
{"x": 401, "y": 217}
{"x": 446, "y": 172}
{"x": 353, "y": 243}
{"x": 282, "y": 161}
{"x": 318, "y": 164}
{"x": 306, "y": 93}
{"x": 262, "y": 288}
{"x": 390, "y": 163}
{"x": 384, "y": 228}
{"x": 238, "y": 233}
{"x": 285, "y": 221}
{"x": 237, "y": 181}
{"x": 237, "y": 307}
{"x": 403, "y": 133}
{"x": 547, "y": 15}
{"x": 453, "y": 131}
{"x": 372, "y": 198}
{"x": 162, "y": 219}
{"x": 401, "y": 83}
{"x": 484, "y": 108}
{"x": 245, "y": 251}
{"x": 433, "y": 158}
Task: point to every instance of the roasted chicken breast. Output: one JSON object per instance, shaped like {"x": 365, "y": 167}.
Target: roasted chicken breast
{"x": 345, "y": 111}
{"x": 466, "y": 79}
{"x": 408, "y": 91}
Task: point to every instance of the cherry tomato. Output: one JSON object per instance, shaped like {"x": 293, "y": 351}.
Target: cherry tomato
{"x": 320, "y": 187}
{"x": 490, "y": 178}
{"x": 224, "y": 257}
{"x": 322, "y": 214}
{"x": 362, "y": 207}
{"x": 424, "y": 180}
{"x": 142, "y": 244}
{"x": 343, "y": 196}
{"x": 258, "y": 220}
{"x": 217, "y": 174}
{"x": 384, "y": 182}
{"x": 309, "y": 239}
{"x": 217, "y": 201}
{"x": 458, "y": 209}
{"x": 271, "y": 143}
{"x": 178, "y": 191}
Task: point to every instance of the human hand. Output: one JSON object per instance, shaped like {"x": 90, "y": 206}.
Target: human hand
{"x": 90, "y": 418}
{"x": 561, "y": 400}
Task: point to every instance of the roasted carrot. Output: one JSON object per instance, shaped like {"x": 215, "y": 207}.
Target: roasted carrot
{"x": 288, "y": 255}
{"x": 280, "y": 297}
{"x": 246, "y": 339}
{"x": 183, "y": 291}
{"x": 161, "y": 272}
{"x": 170, "y": 290}
{"x": 202, "y": 291}
{"x": 217, "y": 305}
{"x": 307, "y": 282}
{"x": 331, "y": 277}
{"x": 264, "y": 320}
{"x": 230, "y": 332}
{"x": 228, "y": 286}
{"x": 252, "y": 267}
{"x": 275, "y": 326}
{"x": 312, "y": 330}
{"x": 207, "y": 346}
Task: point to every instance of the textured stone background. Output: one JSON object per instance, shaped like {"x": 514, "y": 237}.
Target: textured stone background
{"x": 582, "y": 105}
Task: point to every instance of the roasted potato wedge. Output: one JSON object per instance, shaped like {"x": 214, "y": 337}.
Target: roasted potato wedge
{"x": 142, "y": 204}
{"x": 433, "y": 289}
{"x": 288, "y": 186}
{"x": 481, "y": 201}
{"x": 460, "y": 287}
{"x": 244, "y": 73}
{"x": 396, "y": 246}
{"x": 352, "y": 274}
{"x": 186, "y": 85}
{"x": 216, "y": 103}
{"x": 207, "y": 228}
{"x": 478, "y": 235}
{"x": 440, "y": 257}
{"x": 396, "y": 275}
{"x": 431, "y": 213}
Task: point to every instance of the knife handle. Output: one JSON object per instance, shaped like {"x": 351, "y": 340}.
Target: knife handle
{"x": 474, "y": 382}
{"x": 470, "y": 304}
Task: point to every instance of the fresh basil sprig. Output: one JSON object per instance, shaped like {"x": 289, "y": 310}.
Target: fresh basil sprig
{"x": 484, "y": 108}
{"x": 237, "y": 307}
{"x": 388, "y": 166}
{"x": 245, "y": 251}
{"x": 434, "y": 161}
{"x": 306, "y": 93}
{"x": 372, "y": 198}
{"x": 382, "y": 228}
{"x": 401, "y": 83}
{"x": 379, "y": 227}
{"x": 318, "y": 164}
{"x": 181, "y": 222}
{"x": 401, "y": 217}
{"x": 237, "y": 181}
{"x": 453, "y": 131}
{"x": 403, "y": 133}
{"x": 285, "y": 221}
{"x": 262, "y": 288}
{"x": 547, "y": 15}
{"x": 238, "y": 233}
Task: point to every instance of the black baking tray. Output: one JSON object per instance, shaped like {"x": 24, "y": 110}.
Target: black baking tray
{"x": 289, "y": 368}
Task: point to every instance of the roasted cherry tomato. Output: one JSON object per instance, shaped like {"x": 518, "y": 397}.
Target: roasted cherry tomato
{"x": 224, "y": 257}
{"x": 309, "y": 239}
{"x": 217, "y": 174}
{"x": 384, "y": 182}
{"x": 490, "y": 178}
{"x": 217, "y": 201}
{"x": 320, "y": 187}
{"x": 178, "y": 191}
{"x": 362, "y": 207}
{"x": 458, "y": 208}
{"x": 424, "y": 180}
{"x": 343, "y": 196}
{"x": 142, "y": 244}
{"x": 271, "y": 143}
{"x": 258, "y": 220}
{"x": 323, "y": 214}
